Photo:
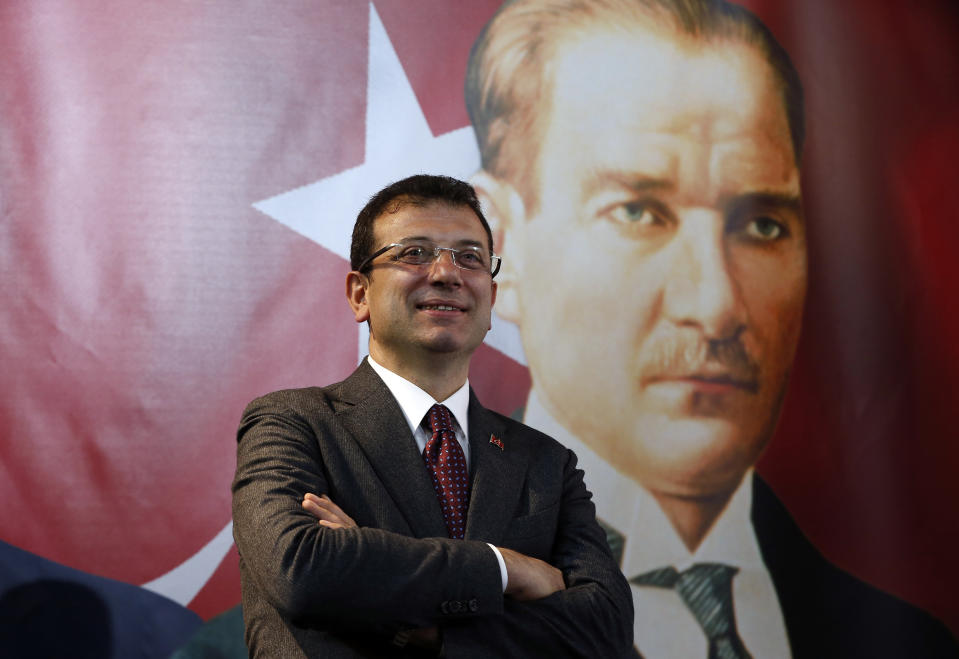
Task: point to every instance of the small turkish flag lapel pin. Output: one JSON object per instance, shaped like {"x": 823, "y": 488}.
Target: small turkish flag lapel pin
{"x": 493, "y": 439}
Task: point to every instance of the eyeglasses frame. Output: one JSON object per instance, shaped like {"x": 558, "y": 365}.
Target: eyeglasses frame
{"x": 495, "y": 261}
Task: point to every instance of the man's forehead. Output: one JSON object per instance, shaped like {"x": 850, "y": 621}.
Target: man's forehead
{"x": 429, "y": 220}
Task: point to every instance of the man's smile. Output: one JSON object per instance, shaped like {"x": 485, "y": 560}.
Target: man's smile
{"x": 441, "y": 306}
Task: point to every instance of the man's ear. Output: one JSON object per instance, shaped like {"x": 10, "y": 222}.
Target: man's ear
{"x": 506, "y": 214}
{"x": 356, "y": 288}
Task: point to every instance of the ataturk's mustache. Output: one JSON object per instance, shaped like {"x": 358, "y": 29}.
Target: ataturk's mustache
{"x": 680, "y": 356}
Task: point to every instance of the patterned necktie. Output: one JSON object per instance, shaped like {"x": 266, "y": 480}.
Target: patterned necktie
{"x": 707, "y": 589}
{"x": 447, "y": 465}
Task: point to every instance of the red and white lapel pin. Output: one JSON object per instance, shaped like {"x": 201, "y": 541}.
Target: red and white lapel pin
{"x": 496, "y": 441}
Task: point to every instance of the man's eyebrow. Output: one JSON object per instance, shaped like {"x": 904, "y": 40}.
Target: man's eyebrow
{"x": 468, "y": 242}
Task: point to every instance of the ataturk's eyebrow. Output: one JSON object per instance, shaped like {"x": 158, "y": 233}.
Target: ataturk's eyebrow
{"x": 763, "y": 199}
{"x": 636, "y": 182}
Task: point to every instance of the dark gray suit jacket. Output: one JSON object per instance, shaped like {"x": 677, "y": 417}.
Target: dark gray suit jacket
{"x": 309, "y": 591}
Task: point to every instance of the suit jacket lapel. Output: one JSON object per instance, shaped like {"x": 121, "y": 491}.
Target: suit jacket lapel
{"x": 797, "y": 570}
{"x": 374, "y": 419}
{"x": 498, "y": 474}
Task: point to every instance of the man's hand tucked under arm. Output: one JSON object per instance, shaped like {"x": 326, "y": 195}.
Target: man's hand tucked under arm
{"x": 530, "y": 578}
{"x": 331, "y": 515}
{"x": 328, "y": 513}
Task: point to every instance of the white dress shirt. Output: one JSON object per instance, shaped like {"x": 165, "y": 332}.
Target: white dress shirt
{"x": 663, "y": 625}
{"x": 416, "y": 403}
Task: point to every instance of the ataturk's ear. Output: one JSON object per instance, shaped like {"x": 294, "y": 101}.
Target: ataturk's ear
{"x": 356, "y": 287}
{"x": 506, "y": 214}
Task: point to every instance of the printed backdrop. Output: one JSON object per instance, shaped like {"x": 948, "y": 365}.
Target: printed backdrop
{"x": 178, "y": 182}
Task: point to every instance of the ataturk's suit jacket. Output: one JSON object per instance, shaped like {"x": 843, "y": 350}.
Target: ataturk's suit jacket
{"x": 827, "y": 611}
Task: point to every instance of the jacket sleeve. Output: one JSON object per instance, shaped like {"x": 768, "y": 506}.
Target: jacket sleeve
{"x": 316, "y": 575}
{"x": 593, "y": 617}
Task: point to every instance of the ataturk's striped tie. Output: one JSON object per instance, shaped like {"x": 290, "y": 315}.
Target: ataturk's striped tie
{"x": 707, "y": 589}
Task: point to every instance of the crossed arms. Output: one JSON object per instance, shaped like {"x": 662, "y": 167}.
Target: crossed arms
{"x": 528, "y": 578}
{"x": 317, "y": 567}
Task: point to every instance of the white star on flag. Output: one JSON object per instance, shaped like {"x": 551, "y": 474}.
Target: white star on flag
{"x": 399, "y": 143}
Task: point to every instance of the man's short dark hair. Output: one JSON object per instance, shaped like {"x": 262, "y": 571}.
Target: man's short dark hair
{"x": 509, "y": 76}
{"x": 417, "y": 190}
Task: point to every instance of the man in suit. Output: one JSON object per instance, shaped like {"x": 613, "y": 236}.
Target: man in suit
{"x": 640, "y": 169}
{"x": 391, "y": 514}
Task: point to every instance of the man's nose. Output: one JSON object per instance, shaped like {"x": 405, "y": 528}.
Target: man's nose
{"x": 702, "y": 289}
{"x": 443, "y": 271}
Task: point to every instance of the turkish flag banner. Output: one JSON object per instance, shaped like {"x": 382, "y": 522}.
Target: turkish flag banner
{"x": 178, "y": 186}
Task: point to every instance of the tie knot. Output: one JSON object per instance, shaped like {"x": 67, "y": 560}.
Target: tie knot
{"x": 440, "y": 418}
{"x": 716, "y": 576}
{"x": 664, "y": 577}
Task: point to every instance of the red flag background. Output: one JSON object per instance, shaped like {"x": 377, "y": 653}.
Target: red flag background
{"x": 144, "y": 300}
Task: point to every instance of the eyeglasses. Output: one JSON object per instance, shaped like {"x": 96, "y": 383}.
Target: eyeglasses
{"x": 420, "y": 254}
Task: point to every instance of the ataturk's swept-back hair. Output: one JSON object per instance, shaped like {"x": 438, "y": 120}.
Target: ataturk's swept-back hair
{"x": 509, "y": 78}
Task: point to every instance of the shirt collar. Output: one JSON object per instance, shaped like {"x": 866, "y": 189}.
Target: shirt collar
{"x": 651, "y": 540}
{"x": 415, "y": 403}
{"x": 731, "y": 540}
